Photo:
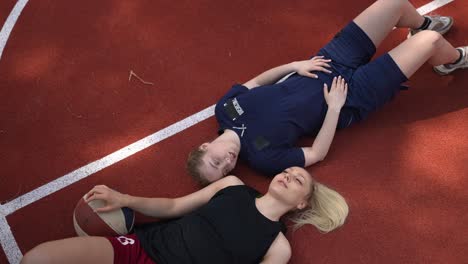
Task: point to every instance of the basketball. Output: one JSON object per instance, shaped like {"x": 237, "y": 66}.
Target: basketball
{"x": 113, "y": 223}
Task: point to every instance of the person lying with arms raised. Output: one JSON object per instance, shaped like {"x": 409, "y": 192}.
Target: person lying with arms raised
{"x": 225, "y": 222}
{"x": 261, "y": 120}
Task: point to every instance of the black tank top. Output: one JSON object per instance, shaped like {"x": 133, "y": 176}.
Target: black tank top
{"x": 228, "y": 229}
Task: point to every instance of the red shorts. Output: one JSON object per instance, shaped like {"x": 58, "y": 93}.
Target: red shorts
{"x": 127, "y": 249}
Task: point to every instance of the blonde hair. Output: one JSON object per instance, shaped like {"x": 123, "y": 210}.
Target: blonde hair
{"x": 327, "y": 209}
{"x": 194, "y": 162}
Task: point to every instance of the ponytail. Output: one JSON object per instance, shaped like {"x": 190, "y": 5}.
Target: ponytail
{"x": 327, "y": 210}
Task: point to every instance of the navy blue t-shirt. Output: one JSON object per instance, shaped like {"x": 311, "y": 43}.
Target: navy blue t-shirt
{"x": 269, "y": 120}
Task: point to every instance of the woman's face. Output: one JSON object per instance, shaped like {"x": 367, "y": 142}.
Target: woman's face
{"x": 293, "y": 186}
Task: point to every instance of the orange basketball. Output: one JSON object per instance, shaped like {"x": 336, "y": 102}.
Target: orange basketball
{"x": 90, "y": 223}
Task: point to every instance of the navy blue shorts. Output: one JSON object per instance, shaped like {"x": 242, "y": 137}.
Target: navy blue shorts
{"x": 370, "y": 83}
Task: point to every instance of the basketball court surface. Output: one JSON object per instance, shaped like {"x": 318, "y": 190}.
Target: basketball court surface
{"x": 119, "y": 92}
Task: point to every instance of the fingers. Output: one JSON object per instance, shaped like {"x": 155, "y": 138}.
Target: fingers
{"x": 322, "y": 63}
{"x": 343, "y": 85}
{"x": 315, "y": 66}
{"x": 95, "y": 196}
{"x": 334, "y": 82}
{"x": 97, "y": 192}
{"x": 311, "y": 75}
{"x": 324, "y": 70}
{"x": 319, "y": 61}
{"x": 308, "y": 74}
{"x": 325, "y": 89}
{"x": 340, "y": 83}
{"x": 320, "y": 58}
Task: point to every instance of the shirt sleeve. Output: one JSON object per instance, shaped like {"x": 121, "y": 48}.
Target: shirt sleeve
{"x": 235, "y": 90}
{"x": 275, "y": 161}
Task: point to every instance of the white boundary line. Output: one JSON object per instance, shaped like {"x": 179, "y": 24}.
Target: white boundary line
{"x": 10, "y": 23}
{"x": 427, "y": 8}
{"x": 7, "y": 239}
{"x": 105, "y": 162}
{"x": 10, "y": 247}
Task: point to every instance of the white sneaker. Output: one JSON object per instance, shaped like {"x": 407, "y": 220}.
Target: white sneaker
{"x": 440, "y": 24}
{"x": 445, "y": 69}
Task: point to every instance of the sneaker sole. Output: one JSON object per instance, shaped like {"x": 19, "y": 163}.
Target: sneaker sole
{"x": 448, "y": 72}
{"x": 441, "y": 32}
{"x": 442, "y": 72}
{"x": 447, "y": 28}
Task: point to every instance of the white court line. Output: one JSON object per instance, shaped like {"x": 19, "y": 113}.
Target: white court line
{"x": 10, "y": 23}
{"x": 427, "y": 8}
{"x": 7, "y": 239}
{"x": 10, "y": 247}
{"x": 105, "y": 162}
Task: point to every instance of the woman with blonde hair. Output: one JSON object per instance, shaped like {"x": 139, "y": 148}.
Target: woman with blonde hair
{"x": 225, "y": 222}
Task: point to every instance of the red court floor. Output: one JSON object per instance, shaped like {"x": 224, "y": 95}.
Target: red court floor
{"x": 67, "y": 101}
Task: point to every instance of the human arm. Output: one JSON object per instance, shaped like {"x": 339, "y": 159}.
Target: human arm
{"x": 279, "y": 251}
{"x": 159, "y": 207}
{"x": 335, "y": 100}
{"x": 303, "y": 68}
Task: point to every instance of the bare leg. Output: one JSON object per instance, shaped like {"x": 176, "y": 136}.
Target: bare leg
{"x": 72, "y": 250}
{"x": 379, "y": 19}
{"x": 425, "y": 46}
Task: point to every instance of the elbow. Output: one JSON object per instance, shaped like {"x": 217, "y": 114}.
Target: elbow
{"x": 314, "y": 158}
{"x": 321, "y": 157}
{"x": 170, "y": 209}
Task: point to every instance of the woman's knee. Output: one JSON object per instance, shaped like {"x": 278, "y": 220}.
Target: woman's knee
{"x": 429, "y": 37}
{"x": 36, "y": 255}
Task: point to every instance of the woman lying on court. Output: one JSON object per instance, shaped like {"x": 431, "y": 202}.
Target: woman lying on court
{"x": 261, "y": 120}
{"x": 225, "y": 222}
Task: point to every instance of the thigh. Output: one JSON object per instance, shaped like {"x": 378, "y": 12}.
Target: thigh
{"x": 72, "y": 250}
{"x": 349, "y": 48}
{"x": 411, "y": 54}
{"x": 374, "y": 84}
{"x": 378, "y": 20}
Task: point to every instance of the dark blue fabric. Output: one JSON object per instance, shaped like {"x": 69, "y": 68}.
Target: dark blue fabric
{"x": 277, "y": 115}
{"x": 129, "y": 218}
{"x": 370, "y": 84}
{"x": 281, "y": 113}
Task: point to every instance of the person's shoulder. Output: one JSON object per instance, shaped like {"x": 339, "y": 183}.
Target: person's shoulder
{"x": 235, "y": 90}
{"x": 228, "y": 182}
{"x": 238, "y": 186}
{"x": 280, "y": 250}
{"x": 232, "y": 180}
{"x": 239, "y": 86}
{"x": 226, "y": 185}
